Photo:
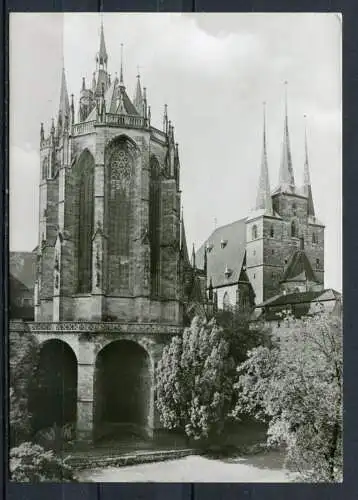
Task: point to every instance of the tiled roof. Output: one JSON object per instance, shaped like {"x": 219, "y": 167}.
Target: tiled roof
{"x": 228, "y": 245}
{"x": 22, "y": 266}
{"x": 299, "y": 268}
{"x": 300, "y": 304}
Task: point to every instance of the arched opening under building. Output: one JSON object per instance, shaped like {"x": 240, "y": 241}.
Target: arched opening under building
{"x": 54, "y": 398}
{"x": 122, "y": 391}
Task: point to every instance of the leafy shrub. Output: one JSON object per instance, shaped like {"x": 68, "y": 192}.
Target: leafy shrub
{"x": 30, "y": 463}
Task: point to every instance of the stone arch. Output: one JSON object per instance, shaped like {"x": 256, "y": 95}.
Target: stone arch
{"x": 83, "y": 219}
{"x": 123, "y": 389}
{"x": 120, "y": 163}
{"x": 54, "y": 399}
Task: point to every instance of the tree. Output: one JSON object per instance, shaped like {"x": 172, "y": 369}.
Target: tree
{"x": 23, "y": 355}
{"x": 30, "y": 463}
{"x": 241, "y": 334}
{"x": 296, "y": 386}
{"x": 194, "y": 383}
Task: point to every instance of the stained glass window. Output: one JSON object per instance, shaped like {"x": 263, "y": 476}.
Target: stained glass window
{"x": 119, "y": 175}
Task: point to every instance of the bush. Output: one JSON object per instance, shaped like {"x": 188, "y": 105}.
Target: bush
{"x": 30, "y": 463}
{"x": 55, "y": 437}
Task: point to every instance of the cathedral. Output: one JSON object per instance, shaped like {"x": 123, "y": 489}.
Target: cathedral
{"x": 112, "y": 277}
{"x": 277, "y": 249}
{"x": 113, "y": 280}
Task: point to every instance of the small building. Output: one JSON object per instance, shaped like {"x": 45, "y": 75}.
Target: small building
{"x": 21, "y": 285}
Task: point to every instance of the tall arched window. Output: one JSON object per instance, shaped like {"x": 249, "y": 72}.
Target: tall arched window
{"x": 294, "y": 229}
{"x": 154, "y": 225}
{"x": 314, "y": 238}
{"x": 272, "y": 231}
{"x": 254, "y": 232}
{"x": 84, "y": 208}
{"x": 119, "y": 169}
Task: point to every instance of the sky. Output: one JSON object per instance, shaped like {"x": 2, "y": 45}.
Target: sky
{"x": 214, "y": 71}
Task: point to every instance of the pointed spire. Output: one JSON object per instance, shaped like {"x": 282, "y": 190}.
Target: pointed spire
{"x": 205, "y": 260}
{"x": 72, "y": 111}
{"x": 42, "y": 133}
{"x": 102, "y": 57}
{"x": 193, "y": 257}
{"x": 286, "y": 179}
{"x": 94, "y": 82}
{"x": 138, "y": 97}
{"x": 121, "y": 72}
{"x": 64, "y": 108}
{"x": 165, "y": 119}
{"x": 145, "y": 111}
{"x": 307, "y": 190}
{"x": 211, "y": 289}
{"x": 183, "y": 245}
{"x": 263, "y": 199}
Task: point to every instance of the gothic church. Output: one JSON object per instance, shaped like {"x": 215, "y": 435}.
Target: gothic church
{"x": 113, "y": 279}
{"x": 278, "y": 249}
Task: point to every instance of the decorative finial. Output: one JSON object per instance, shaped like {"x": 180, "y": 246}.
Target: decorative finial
{"x": 149, "y": 114}
{"x": 42, "y": 133}
{"x": 121, "y": 73}
{"x": 83, "y": 83}
{"x": 52, "y": 125}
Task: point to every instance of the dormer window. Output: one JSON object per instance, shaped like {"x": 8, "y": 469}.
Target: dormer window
{"x": 228, "y": 272}
{"x": 209, "y": 247}
{"x": 223, "y": 243}
{"x": 254, "y": 232}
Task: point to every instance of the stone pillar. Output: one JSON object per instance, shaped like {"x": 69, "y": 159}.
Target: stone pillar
{"x": 99, "y": 249}
{"x": 85, "y": 391}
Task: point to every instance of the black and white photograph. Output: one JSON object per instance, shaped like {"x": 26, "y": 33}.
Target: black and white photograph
{"x": 175, "y": 267}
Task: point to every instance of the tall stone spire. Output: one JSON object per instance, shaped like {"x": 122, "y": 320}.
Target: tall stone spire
{"x": 286, "y": 179}
{"x": 121, "y": 82}
{"x": 64, "y": 108}
{"x": 307, "y": 189}
{"x": 102, "y": 57}
{"x": 263, "y": 199}
{"x": 138, "y": 97}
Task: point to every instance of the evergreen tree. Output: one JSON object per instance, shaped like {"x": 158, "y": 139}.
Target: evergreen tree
{"x": 194, "y": 383}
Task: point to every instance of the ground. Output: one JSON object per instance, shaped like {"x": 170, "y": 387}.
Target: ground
{"x": 267, "y": 468}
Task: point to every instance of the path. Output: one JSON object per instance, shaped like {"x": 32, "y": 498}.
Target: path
{"x": 266, "y": 468}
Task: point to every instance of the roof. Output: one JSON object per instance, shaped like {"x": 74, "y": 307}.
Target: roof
{"x": 226, "y": 250}
{"x": 22, "y": 267}
{"x": 114, "y": 93}
{"x": 299, "y": 268}
{"x": 300, "y": 303}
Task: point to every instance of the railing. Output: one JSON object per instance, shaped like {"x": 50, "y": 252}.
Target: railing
{"x": 104, "y": 327}
{"x": 127, "y": 121}
{"x": 83, "y": 128}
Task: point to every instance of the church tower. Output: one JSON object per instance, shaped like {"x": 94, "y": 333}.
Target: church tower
{"x": 285, "y": 240}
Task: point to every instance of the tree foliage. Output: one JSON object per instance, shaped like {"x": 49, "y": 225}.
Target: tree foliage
{"x": 30, "y": 463}
{"x": 296, "y": 386}
{"x": 194, "y": 382}
{"x": 23, "y": 355}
